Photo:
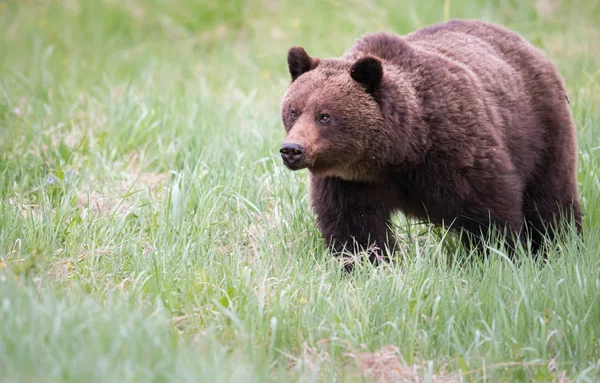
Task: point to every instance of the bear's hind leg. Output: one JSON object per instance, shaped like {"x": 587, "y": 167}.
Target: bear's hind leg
{"x": 497, "y": 217}
{"x": 475, "y": 237}
{"x": 547, "y": 207}
{"x": 551, "y": 195}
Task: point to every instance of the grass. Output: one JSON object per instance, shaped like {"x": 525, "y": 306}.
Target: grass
{"x": 150, "y": 233}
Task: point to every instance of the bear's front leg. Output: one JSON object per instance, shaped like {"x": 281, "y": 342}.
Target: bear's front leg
{"x": 352, "y": 216}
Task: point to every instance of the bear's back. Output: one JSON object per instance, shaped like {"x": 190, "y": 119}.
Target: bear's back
{"x": 501, "y": 61}
{"x": 519, "y": 85}
{"x": 490, "y": 52}
{"x": 508, "y": 67}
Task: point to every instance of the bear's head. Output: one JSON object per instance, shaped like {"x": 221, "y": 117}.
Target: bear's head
{"x": 337, "y": 118}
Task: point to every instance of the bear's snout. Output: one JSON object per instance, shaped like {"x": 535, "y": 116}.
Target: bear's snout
{"x": 292, "y": 155}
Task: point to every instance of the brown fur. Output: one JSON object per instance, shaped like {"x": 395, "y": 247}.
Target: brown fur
{"x": 463, "y": 123}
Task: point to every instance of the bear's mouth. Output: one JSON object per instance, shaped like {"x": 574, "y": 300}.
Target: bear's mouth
{"x": 296, "y": 166}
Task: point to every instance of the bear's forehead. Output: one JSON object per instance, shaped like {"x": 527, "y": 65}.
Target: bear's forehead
{"x": 329, "y": 81}
{"x": 334, "y": 67}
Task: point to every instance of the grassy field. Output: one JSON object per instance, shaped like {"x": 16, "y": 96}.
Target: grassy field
{"x": 149, "y": 231}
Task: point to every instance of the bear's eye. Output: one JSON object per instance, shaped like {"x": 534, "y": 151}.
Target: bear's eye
{"x": 324, "y": 118}
{"x": 294, "y": 115}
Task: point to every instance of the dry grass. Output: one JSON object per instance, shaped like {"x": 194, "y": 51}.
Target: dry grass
{"x": 387, "y": 365}
{"x": 119, "y": 198}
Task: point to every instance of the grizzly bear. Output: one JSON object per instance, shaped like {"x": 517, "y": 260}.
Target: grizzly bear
{"x": 463, "y": 124}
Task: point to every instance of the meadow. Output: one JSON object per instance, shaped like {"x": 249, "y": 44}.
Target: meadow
{"x": 149, "y": 231}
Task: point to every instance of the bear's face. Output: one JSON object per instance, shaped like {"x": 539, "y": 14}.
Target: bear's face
{"x": 330, "y": 117}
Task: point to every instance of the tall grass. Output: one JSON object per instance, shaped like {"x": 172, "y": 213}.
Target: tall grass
{"x": 150, "y": 232}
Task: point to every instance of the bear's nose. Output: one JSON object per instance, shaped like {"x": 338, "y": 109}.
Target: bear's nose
{"x": 291, "y": 153}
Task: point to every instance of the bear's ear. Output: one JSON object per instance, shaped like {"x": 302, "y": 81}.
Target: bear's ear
{"x": 299, "y": 62}
{"x": 368, "y": 71}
